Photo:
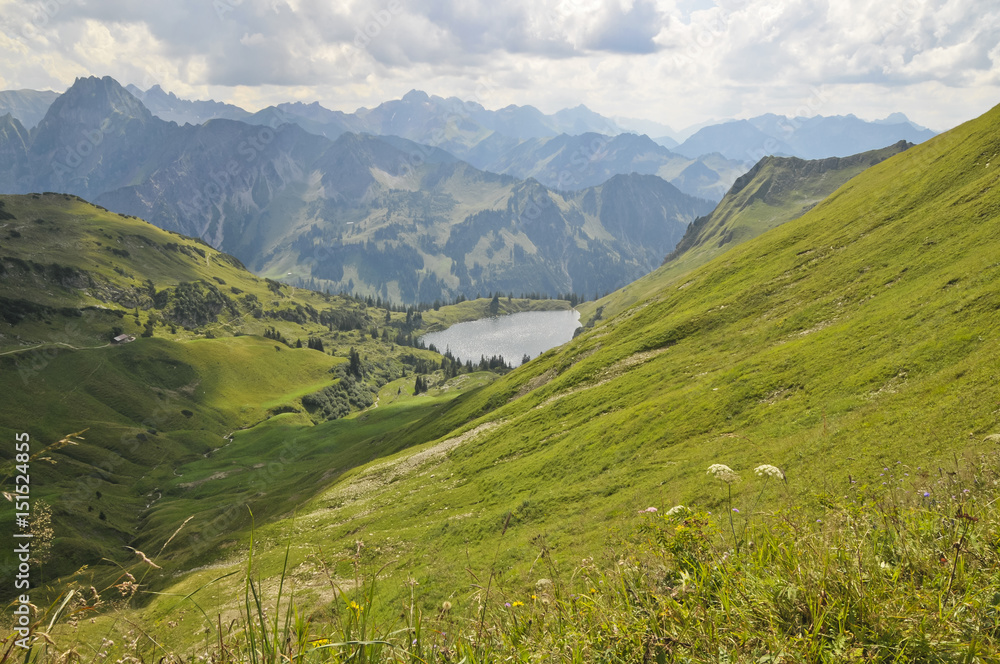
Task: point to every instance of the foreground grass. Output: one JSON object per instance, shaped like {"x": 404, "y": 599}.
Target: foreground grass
{"x": 905, "y": 569}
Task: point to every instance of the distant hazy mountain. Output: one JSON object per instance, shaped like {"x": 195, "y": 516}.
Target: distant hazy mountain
{"x": 577, "y": 162}
{"x": 647, "y": 127}
{"x": 838, "y": 136}
{"x": 167, "y": 106}
{"x": 388, "y": 217}
{"x": 312, "y": 117}
{"x": 900, "y": 118}
{"x": 557, "y": 149}
{"x": 28, "y": 106}
{"x": 428, "y": 119}
{"x": 739, "y": 140}
{"x": 808, "y": 138}
{"x": 666, "y": 142}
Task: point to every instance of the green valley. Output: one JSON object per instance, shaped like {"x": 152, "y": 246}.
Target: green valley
{"x": 206, "y": 354}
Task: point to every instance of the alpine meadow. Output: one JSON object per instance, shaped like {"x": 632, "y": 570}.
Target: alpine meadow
{"x": 228, "y": 439}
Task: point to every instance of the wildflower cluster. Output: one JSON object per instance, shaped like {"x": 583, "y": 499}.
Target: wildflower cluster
{"x": 767, "y": 470}
{"x": 723, "y": 473}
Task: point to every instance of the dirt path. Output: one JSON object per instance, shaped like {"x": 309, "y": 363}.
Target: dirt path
{"x": 54, "y": 343}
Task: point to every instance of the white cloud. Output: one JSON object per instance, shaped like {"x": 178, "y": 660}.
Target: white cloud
{"x": 675, "y": 61}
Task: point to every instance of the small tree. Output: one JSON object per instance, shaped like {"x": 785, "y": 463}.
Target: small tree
{"x": 354, "y": 367}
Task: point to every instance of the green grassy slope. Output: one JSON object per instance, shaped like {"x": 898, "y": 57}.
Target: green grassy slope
{"x": 775, "y": 190}
{"x": 145, "y": 406}
{"x": 862, "y": 334}
{"x": 200, "y": 387}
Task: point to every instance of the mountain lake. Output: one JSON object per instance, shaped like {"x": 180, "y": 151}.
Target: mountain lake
{"x": 512, "y": 336}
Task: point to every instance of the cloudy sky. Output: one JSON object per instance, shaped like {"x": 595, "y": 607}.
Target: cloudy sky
{"x": 678, "y": 62}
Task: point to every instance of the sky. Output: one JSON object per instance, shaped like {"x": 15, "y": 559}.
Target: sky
{"x": 676, "y": 62}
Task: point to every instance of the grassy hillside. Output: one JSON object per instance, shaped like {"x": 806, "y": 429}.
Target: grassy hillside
{"x": 855, "y": 339}
{"x": 775, "y": 190}
{"x": 212, "y": 374}
{"x": 850, "y": 347}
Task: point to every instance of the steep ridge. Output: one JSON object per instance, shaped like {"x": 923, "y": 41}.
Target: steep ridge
{"x": 859, "y": 335}
{"x": 14, "y": 143}
{"x": 774, "y": 191}
{"x": 168, "y": 106}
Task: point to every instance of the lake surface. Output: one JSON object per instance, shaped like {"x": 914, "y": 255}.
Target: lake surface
{"x": 531, "y": 332}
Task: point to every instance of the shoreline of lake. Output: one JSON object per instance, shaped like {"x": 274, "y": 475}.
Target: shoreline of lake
{"x": 511, "y": 336}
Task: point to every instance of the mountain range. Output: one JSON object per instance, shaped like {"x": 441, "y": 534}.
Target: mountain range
{"x": 521, "y": 140}
{"x": 817, "y": 137}
{"x": 387, "y": 217}
{"x": 448, "y": 199}
{"x": 571, "y": 149}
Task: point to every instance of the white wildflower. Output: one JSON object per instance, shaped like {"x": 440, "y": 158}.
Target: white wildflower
{"x": 679, "y": 509}
{"x": 723, "y": 473}
{"x": 767, "y": 470}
